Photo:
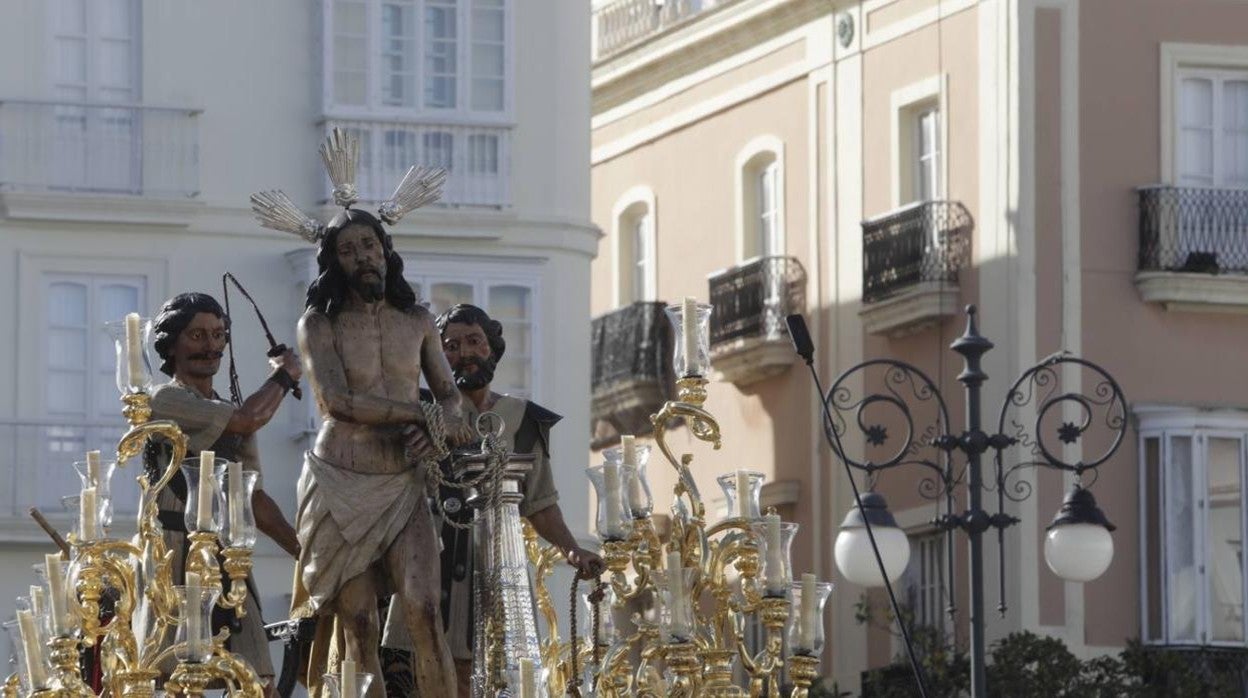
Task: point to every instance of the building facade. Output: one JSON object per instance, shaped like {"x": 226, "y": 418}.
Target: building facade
{"x": 1074, "y": 169}
{"x": 133, "y": 134}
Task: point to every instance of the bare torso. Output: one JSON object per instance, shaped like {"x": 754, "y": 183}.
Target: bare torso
{"x": 366, "y": 368}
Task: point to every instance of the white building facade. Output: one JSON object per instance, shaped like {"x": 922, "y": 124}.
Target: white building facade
{"x": 132, "y": 133}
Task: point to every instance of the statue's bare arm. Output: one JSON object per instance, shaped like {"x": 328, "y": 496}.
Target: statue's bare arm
{"x": 329, "y": 381}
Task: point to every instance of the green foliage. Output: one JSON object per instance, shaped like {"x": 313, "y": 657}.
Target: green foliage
{"x": 1026, "y": 665}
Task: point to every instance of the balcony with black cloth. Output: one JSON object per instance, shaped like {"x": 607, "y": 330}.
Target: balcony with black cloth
{"x": 1193, "y": 248}
{"x": 749, "y": 338}
{"x": 911, "y": 257}
{"x": 631, "y": 370}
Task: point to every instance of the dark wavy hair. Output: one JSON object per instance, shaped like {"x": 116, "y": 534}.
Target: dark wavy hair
{"x": 329, "y": 291}
{"x": 466, "y": 314}
{"x": 174, "y": 316}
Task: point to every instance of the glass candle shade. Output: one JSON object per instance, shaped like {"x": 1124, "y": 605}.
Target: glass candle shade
{"x": 103, "y": 494}
{"x": 216, "y": 503}
{"x": 633, "y": 480}
{"x": 59, "y": 597}
{"x": 692, "y": 357}
{"x": 134, "y": 372}
{"x": 17, "y": 655}
{"x": 606, "y": 617}
{"x": 806, "y": 618}
{"x": 362, "y": 681}
{"x": 675, "y": 605}
{"x": 737, "y": 506}
{"x": 775, "y": 550}
{"x": 239, "y": 526}
{"x": 613, "y": 520}
{"x": 194, "y": 636}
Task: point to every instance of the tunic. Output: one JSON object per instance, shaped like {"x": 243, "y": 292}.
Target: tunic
{"x": 203, "y": 420}
{"x": 527, "y": 431}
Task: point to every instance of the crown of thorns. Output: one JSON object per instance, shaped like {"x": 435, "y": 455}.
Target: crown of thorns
{"x": 341, "y": 153}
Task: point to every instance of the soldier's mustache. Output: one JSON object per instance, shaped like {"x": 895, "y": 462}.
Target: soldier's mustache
{"x": 205, "y": 355}
{"x": 482, "y": 377}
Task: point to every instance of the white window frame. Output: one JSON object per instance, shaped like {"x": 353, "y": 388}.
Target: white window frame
{"x": 759, "y": 154}
{"x": 33, "y": 267}
{"x": 1163, "y": 422}
{"x": 905, "y": 106}
{"x": 1175, "y": 59}
{"x": 91, "y": 39}
{"x": 634, "y": 205}
{"x": 935, "y": 540}
{"x": 373, "y": 108}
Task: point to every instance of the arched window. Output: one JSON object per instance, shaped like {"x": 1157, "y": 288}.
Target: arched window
{"x": 636, "y": 259}
{"x": 760, "y": 199}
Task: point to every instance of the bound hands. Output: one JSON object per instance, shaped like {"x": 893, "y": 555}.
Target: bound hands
{"x": 588, "y": 564}
{"x": 420, "y": 445}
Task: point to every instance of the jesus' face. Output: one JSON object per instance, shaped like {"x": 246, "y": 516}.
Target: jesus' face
{"x": 363, "y": 260}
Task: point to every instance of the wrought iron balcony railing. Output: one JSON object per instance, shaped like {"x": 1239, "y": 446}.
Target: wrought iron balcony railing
{"x": 924, "y": 241}
{"x": 98, "y": 148}
{"x": 623, "y": 23}
{"x": 1193, "y": 229}
{"x": 631, "y": 370}
{"x": 477, "y": 159}
{"x": 751, "y": 300}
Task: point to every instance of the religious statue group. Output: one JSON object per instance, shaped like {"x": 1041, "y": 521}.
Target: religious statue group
{"x": 370, "y": 532}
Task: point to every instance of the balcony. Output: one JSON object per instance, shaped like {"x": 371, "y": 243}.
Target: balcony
{"x": 911, "y": 257}
{"x": 39, "y": 457}
{"x": 108, "y": 149}
{"x": 477, "y": 159}
{"x": 621, "y": 24}
{"x": 749, "y": 338}
{"x": 1194, "y": 248}
{"x": 631, "y": 374}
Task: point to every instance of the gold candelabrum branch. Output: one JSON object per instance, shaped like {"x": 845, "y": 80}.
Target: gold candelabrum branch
{"x": 132, "y": 651}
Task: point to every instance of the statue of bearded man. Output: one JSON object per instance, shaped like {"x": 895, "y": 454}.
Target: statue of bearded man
{"x": 363, "y": 519}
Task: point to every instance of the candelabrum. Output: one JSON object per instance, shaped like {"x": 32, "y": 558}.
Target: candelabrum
{"x": 115, "y": 599}
{"x": 690, "y": 599}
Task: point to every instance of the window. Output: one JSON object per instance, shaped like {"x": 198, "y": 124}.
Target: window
{"x": 508, "y": 298}
{"x": 760, "y": 199}
{"x": 926, "y": 154}
{"x": 421, "y": 55}
{"x": 1212, "y": 128}
{"x": 769, "y": 210}
{"x": 1193, "y": 509}
{"x": 919, "y": 141}
{"x": 924, "y": 580}
{"x": 80, "y": 400}
{"x": 643, "y": 256}
{"x": 95, "y": 62}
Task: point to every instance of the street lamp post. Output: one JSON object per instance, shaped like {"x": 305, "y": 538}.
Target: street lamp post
{"x": 1078, "y": 546}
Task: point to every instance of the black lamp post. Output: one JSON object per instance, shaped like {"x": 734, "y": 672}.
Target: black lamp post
{"x": 1078, "y": 546}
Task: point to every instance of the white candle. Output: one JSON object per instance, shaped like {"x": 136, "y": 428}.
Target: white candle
{"x": 134, "y": 351}
{"x": 194, "y": 624}
{"x": 38, "y": 601}
{"x": 528, "y": 683}
{"x": 348, "y": 672}
{"x": 689, "y": 330}
{"x": 203, "y": 518}
{"x": 611, "y": 492}
{"x": 57, "y": 597}
{"x": 743, "y": 493}
{"x": 807, "y": 615}
{"x": 34, "y": 649}
{"x": 773, "y": 570}
{"x": 87, "y": 514}
{"x": 636, "y": 496}
{"x": 676, "y": 592}
{"x": 93, "y": 468}
{"x": 235, "y": 476}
